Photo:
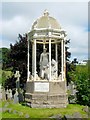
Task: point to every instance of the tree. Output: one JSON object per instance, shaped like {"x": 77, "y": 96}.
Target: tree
{"x": 82, "y": 85}
{"x": 4, "y": 57}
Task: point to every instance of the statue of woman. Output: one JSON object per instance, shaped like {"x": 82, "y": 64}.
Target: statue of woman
{"x": 44, "y": 60}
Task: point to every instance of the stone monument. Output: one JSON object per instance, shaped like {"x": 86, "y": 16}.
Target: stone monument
{"x": 46, "y": 88}
{"x": 17, "y": 76}
{"x": 44, "y": 60}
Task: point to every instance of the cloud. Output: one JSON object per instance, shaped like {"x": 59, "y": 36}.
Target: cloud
{"x": 45, "y": 0}
{"x": 78, "y": 42}
{"x": 11, "y": 28}
{"x": 73, "y": 17}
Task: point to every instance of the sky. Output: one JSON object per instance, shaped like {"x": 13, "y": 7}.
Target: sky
{"x": 18, "y": 17}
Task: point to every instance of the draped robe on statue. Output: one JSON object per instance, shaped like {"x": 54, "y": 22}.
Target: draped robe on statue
{"x": 43, "y": 63}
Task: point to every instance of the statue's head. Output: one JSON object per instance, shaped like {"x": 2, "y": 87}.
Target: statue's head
{"x": 44, "y": 50}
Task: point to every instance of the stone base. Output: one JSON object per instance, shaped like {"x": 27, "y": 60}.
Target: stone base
{"x": 46, "y": 94}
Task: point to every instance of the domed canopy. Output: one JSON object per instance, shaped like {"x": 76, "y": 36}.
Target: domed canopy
{"x": 46, "y": 21}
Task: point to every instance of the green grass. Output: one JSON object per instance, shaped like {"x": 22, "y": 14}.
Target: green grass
{"x": 43, "y": 112}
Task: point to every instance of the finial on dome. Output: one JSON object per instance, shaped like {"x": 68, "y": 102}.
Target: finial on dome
{"x": 46, "y": 13}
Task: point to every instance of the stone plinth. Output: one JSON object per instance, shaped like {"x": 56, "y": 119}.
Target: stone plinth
{"x": 46, "y": 94}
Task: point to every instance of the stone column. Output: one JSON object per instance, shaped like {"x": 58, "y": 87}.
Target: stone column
{"x": 28, "y": 59}
{"x": 56, "y": 57}
{"x": 62, "y": 58}
{"x": 34, "y": 59}
{"x": 49, "y": 59}
{"x": 64, "y": 61}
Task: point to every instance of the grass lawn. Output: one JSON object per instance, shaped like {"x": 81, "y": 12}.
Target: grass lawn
{"x": 42, "y": 112}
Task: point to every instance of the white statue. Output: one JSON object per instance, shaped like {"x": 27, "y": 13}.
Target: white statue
{"x": 44, "y": 66}
{"x": 44, "y": 59}
{"x": 53, "y": 69}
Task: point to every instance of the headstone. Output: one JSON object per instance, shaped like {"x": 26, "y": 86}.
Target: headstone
{"x": 10, "y": 110}
{"x": 86, "y": 109}
{"x": 77, "y": 115}
{"x": 14, "y": 112}
{"x": 20, "y": 113}
{"x": 9, "y": 94}
{"x": 17, "y": 75}
{"x": 21, "y": 97}
{"x": 27, "y": 116}
{"x": 3, "y": 94}
{"x": 67, "y": 117}
{"x": 13, "y": 92}
{"x": 56, "y": 117}
{"x": 16, "y": 97}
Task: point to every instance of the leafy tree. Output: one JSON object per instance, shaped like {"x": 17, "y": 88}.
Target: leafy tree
{"x": 4, "y": 57}
{"x": 5, "y": 76}
{"x": 82, "y": 85}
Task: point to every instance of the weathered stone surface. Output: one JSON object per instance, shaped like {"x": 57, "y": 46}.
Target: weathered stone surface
{"x": 56, "y": 117}
{"x": 67, "y": 117}
{"x": 27, "y": 116}
{"x": 16, "y": 97}
{"x": 20, "y": 113}
{"x": 15, "y": 111}
{"x": 77, "y": 115}
{"x": 86, "y": 109}
{"x": 55, "y": 98}
{"x": 10, "y": 110}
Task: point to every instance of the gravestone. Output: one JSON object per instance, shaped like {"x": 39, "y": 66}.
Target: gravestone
{"x": 17, "y": 75}
{"x": 67, "y": 117}
{"x": 15, "y": 112}
{"x": 20, "y": 113}
{"x": 10, "y": 110}
{"x": 27, "y": 116}
{"x": 21, "y": 97}
{"x": 86, "y": 109}
{"x": 16, "y": 97}
{"x": 56, "y": 117}
{"x": 10, "y": 91}
{"x": 7, "y": 94}
{"x": 10, "y": 94}
{"x": 3, "y": 94}
{"x": 77, "y": 115}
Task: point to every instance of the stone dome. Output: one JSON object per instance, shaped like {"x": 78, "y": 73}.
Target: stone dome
{"x": 46, "y": 21}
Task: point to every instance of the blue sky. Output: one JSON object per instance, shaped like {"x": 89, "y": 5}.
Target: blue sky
{"x": 18, "y": 17}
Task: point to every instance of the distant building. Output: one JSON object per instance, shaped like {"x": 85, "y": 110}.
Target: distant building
{"x": 84, "y": 62}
